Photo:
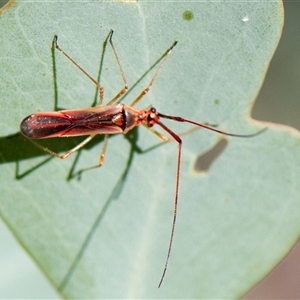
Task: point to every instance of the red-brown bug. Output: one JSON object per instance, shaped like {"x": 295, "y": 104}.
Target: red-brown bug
{"x": 110, "y": 119}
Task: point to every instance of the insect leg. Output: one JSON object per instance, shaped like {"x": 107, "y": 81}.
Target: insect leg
{"x": 103, "y": 150}
{"x": 179, "y": 141}
{"x": 146, "y": 90}
{"x": 168, "y": 139}
{"x": 99, "y": 86}
{"x": 67, "y": 153}
{"x": 160, "y": 135}
{"x": 177, "y": 181}
{"x": 125, "y": 88}
{"x": 101, "y": 159}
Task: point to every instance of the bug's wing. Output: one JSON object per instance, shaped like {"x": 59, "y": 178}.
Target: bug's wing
{"x": 89, "y": 121}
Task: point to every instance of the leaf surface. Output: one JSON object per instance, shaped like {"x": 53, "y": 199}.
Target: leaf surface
{"x": 106, "y": 235}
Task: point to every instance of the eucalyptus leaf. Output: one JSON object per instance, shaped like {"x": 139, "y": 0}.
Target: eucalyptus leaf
{"x": 105, "y": 234}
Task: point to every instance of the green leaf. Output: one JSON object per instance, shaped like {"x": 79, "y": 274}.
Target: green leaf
{"x": 106, "y": 235}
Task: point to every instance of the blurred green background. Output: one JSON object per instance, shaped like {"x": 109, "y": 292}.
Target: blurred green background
{"x": 278, "y": 102}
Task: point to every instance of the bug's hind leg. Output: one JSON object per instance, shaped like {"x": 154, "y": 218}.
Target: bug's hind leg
{"x": 67, "y": 153}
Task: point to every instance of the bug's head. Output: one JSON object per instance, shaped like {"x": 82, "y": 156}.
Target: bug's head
{"x": 152, "y": 117}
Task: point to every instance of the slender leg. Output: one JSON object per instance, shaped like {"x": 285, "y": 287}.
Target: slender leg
{"x": 146, "y": 90}
{"x": 67, "y": 153}
{"x": 160, "y": 135}
{"x": 168, "y": 139}
{"x": 125, "y": 88}
{"x": 101, "y": 159}
{"x": 103, "y": 150}
{"x": 99, "y": 86}
{"x": 76, "y": 148}
{"x": 179, "y": 141}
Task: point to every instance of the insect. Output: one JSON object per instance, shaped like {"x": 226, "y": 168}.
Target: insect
{"x": 109, "y": 119}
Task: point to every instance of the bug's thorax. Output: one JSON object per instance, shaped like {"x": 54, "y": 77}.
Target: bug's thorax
{"x": 133, "y": 117}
